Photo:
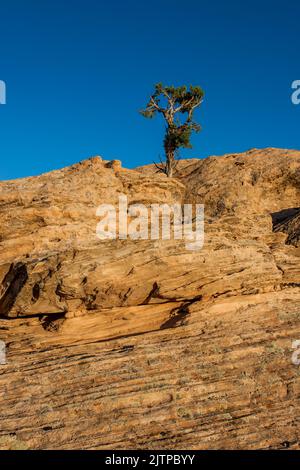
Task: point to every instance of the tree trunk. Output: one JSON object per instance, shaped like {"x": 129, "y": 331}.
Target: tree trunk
{"x": 170, "y": 163}
{"x": 170, "y": 154}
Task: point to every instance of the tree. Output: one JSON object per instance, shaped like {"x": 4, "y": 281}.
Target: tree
{"x": 172, "y": 102}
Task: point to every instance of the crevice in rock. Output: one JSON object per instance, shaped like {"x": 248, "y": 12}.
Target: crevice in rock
{"x": 11, "y": 286}
{"x": 52, "y": 322}
{"x": 153, "y": 294}
{"x": 289, "y": 284}
{"x": 35, "y": 292}
{"x": 288, "y": 221}
{"x": 178, "y": 315}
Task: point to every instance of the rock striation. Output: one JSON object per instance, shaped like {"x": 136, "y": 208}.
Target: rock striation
{"x": 123, "y": 344}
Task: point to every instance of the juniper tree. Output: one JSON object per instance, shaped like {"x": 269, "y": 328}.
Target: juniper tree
{"x": 174, "y": 103}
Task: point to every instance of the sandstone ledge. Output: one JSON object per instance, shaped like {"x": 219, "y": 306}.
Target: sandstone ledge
{"x": 143, "y": 344}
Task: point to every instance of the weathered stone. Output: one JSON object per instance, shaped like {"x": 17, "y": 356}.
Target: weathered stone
{"x": 144, "y": 344}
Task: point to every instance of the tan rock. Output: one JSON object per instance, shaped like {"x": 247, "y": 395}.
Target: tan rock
{"x": 144, "y": 344}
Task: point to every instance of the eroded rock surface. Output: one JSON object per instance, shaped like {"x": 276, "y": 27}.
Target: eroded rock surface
{"x": 145, "y": 344}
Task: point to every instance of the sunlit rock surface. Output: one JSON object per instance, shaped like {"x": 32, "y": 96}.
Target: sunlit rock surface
{"x": 122, "y": 344}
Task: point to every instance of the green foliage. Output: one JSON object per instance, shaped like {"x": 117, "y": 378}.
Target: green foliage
{"x": 148, "y": 113}
{"x": 179, "y": 101}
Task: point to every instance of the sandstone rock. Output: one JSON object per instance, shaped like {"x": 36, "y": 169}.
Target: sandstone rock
{"x": 144, "y": 344}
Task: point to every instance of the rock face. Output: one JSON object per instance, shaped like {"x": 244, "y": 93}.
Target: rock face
{"x": 119, "y": 344}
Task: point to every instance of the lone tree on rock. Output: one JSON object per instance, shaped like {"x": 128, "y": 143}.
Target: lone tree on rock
{"x": 172, "y": 102}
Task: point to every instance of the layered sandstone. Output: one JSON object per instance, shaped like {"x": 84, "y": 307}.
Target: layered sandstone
{"x": 145, "y": 344}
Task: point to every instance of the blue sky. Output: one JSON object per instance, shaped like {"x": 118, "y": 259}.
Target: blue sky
{"x": 78, "y": 72}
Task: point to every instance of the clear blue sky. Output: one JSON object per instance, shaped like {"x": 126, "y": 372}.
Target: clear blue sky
{"x": 77, "y": 72}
